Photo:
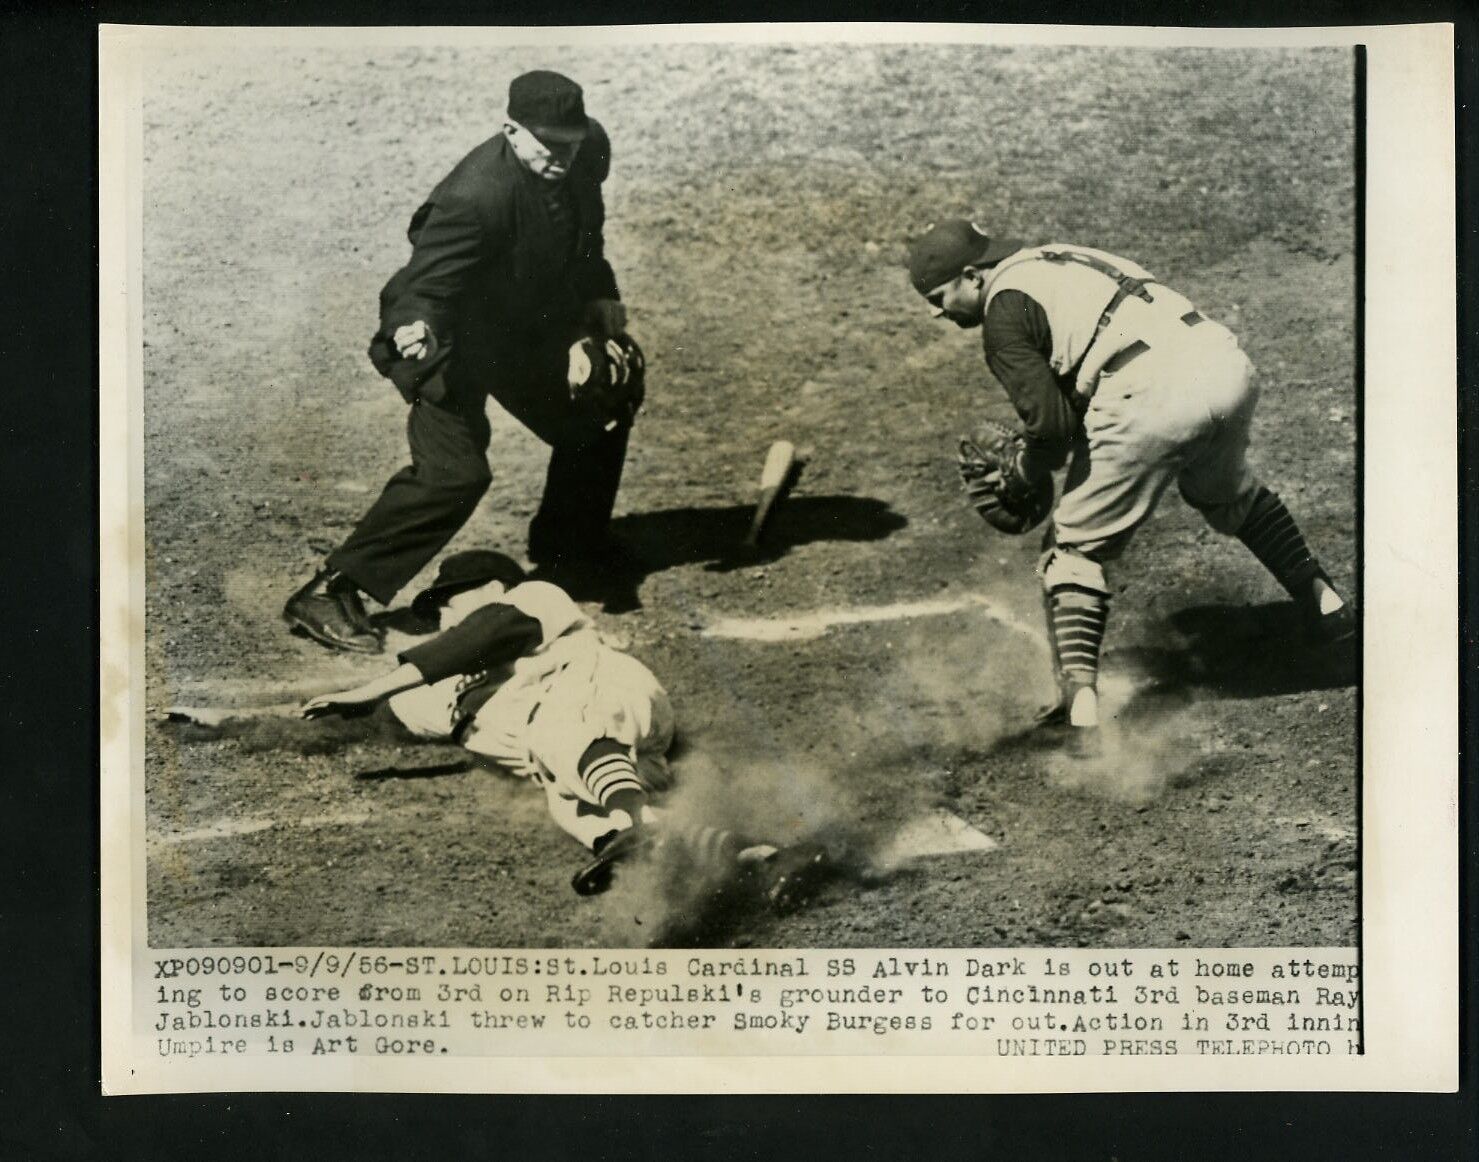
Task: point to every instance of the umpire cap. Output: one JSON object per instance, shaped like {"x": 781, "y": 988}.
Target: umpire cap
{"x": 946, "y": 249}
{"x": 548, "y": 105}
{"x": 463, "y": 571}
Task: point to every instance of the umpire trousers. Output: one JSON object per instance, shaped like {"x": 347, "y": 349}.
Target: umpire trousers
{"x": 425, "y": 504}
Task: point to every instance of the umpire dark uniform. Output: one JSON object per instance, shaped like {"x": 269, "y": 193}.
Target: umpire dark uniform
{"x": 508, "y": 270}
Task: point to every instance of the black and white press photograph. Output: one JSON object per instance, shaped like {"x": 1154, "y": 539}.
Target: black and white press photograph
{"x": 739, "y": 493}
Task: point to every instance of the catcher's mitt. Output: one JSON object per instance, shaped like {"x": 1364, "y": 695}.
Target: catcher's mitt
{"x": 608, "y": 379}
{"x": 1006, "y": 500}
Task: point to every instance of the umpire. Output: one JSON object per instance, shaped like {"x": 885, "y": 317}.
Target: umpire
{"x": 507, "y": 294}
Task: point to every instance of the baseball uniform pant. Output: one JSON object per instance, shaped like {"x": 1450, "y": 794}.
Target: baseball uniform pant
{"x": 543, "y": 735}
{"x": 1182, "y": 411}
{"x": 425, "y": 504}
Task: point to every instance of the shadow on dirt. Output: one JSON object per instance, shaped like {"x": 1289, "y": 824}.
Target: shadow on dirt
{"x": 653, "y": 542}
{"x": 435, "y": 771}
{"x": 714, "y": 537}
{"x": 1241, "y": 651}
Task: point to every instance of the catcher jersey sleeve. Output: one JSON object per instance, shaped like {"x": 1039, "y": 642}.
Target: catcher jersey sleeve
{"x": 1017, "y": 341}
{"x": 491, "y": 636}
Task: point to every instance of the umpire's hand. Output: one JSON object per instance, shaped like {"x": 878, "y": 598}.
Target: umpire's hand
{"x": 411, "y": 340}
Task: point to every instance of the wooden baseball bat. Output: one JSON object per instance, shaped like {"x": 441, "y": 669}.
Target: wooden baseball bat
{"x": 776, "y": 479}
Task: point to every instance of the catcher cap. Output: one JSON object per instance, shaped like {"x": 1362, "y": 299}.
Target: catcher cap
{"x": 549, "y": 105}
{"x": 463, "y": 571}
{"x": 946, "y": 249}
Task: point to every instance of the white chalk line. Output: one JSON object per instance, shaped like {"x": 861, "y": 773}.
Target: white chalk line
{"x": 230, "y": 828}
{"x": 804, "y": 626}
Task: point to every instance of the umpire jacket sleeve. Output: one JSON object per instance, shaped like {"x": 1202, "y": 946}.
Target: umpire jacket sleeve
{"x": 1017, "y": 340}
{"x": 491, "y": 636}
{"x": 449, "y": 244}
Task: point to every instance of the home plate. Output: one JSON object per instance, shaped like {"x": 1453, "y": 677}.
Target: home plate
{"x": 938, "y": 833}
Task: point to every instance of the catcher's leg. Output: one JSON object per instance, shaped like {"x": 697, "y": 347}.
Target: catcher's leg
{"x": 1076, "y": 601}
{"x": 1219, "y": 484}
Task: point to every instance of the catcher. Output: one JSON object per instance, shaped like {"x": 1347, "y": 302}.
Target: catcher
{"x": 521, "y": 676}
{"x": 1132, "y": 386}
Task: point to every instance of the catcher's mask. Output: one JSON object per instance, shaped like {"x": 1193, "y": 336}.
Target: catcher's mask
{"x": 463, "y": 571}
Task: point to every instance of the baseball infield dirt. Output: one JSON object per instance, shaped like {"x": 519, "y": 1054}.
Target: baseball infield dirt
{"x": 879, "y": 657}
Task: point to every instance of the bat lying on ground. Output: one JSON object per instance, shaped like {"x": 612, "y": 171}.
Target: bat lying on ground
{"x": 782, "y": 470}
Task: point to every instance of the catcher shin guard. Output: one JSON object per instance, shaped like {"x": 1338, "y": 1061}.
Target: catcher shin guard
{"x": 1076, "y": 621}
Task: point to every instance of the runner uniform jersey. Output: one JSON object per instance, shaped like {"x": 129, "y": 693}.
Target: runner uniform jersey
{"x": 526, "y": 679}
{"x": 1100, "y": 359}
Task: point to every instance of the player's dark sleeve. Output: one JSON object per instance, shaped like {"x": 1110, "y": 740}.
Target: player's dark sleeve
{"x": 594, "y": 278}
{"x": 1018, "y": 342}
{"x": 491, "y": 636}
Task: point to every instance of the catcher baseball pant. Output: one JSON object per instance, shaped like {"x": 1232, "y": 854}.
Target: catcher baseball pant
{"x": 425, "y": 504}
{"x": 1181, "y": 411}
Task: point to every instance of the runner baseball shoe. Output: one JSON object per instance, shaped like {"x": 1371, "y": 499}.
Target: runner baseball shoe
{"x": 788, "y": 878}
{"x": 614, "y": 848}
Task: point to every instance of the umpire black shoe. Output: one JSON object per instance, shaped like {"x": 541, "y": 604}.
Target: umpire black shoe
{"x": 329, "y": 610}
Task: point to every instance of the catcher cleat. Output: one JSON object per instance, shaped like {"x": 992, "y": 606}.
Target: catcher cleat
{"x": 1083, "y": 708}
{"x": 1329, "y": 618}
{"x": 1077, "y": 706}
{"x": 612, "y": 849}
{"x": 790, "y": 876}
{"x": 329, "y": 611}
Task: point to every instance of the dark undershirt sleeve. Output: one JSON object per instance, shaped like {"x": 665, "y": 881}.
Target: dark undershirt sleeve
{"x": 491, "y": 636}
{"x": 1018, "y": 342}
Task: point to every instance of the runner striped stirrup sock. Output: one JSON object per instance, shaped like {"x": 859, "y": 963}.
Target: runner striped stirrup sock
{"x": 607, "y": 770}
